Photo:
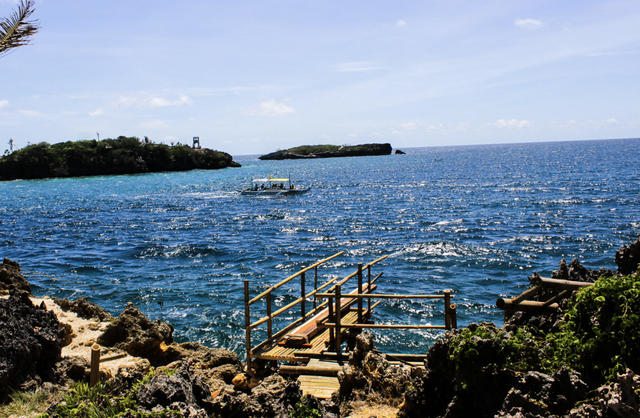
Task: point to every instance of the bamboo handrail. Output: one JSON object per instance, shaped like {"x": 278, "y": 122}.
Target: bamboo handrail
{"x": 364, "y": 267}
{"x": 289, "y": 327}
{"x": 333, "y": 324}
{"x": 377, "y": 296}
{"x": 291, "y": 305}
{"x": 288, "y": 279}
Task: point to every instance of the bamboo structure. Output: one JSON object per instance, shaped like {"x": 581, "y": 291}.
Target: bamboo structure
{"x": 337, "y": 315}
{"x": 522, "y": 302}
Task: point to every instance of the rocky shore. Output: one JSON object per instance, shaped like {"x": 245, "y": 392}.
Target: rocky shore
{"x": 328, "y": 151}
{"x": 578, "y": 361}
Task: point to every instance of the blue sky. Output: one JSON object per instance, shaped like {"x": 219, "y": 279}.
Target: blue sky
{"x": 249, "y": 77}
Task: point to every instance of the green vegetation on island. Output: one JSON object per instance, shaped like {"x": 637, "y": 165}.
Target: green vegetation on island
{"x": 329, "y": 151}
{"x": 123, "y": 155}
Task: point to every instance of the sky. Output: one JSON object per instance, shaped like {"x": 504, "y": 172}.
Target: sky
{"x": 254, "y": 76}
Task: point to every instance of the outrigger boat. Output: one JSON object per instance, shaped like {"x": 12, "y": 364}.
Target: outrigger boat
{"x": 273, "y": 187}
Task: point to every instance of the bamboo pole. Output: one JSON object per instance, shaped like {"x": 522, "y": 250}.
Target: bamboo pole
{"x": 447, "y": 311}
{"x": 359, "y": 292}
{"x": 247, "y": 322}
{"x": 113, "y": 357}
{"x": 95, "y": 365}
{"x": 270, "y": 322}
{"x": 302, "y": 294}
{"x": 288, "y": 279}
{"x": 527, "y": 294}
{"x": 560, "y": 284}
{"x": 526, "y": 306}
{"x": 368, "y": 287}
{"x": 315, "y": 287}
{"x": 454, "y": 318}
{"x": 562, "y": 295}
{"x": 331, "y": 334}
{"x": 338, "y": 315}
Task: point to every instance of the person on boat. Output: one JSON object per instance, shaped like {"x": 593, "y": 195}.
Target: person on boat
{"x": 291, "y": 187}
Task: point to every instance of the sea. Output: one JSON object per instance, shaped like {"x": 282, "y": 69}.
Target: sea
{"x": 474, "y": 220}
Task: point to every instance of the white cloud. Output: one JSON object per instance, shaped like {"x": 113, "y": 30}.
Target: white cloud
{"x": 401, "y": 23}
{"x": 30, "y": 113}
{"x": 611, "y": 121}
{"x": 97, "y": 112}
{"x": 152, "y": 101}
{"x": 409, "y": 126}
{"x": 271, "y": 108}
{"x": 154, "y": 124}
{"x": 529, "y": 23}
{"x": 503, "y": 123}
{"x": 348, "y": 67}
{"x": 4, "y": 103}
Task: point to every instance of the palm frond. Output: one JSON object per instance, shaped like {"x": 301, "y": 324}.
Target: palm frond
{"x": 15, "y": 30}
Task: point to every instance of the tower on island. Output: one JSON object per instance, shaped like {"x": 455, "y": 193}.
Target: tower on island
{"x": 196, "y": 142}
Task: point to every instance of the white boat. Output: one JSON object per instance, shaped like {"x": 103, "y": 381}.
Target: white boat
{"x": 272, "y": 187}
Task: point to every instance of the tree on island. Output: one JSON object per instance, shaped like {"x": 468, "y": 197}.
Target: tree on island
{"x": 16, "y": 30}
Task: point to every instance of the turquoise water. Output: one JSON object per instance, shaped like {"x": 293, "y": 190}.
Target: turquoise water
{"x": 476, "y": 220}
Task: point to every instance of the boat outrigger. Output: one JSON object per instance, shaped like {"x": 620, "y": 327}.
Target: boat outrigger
{"x": 273, "y": 187}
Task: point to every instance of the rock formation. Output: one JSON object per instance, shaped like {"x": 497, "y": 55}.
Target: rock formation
{"x": 31, "y": 339}
{"x": 11, "y": 278}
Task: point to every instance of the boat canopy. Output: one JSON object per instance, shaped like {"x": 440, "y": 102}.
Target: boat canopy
{"x": 269, "y": 179}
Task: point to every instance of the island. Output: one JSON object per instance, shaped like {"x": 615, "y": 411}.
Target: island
{"x": 328, "y": 151}
{"x": 123, "y": 155}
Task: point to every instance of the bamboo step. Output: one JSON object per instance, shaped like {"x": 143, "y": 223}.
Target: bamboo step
{"x": 322, "y": 387}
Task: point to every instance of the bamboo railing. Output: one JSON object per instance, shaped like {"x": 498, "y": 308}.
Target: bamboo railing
{"x": 335, "y": 304}
{"x": 336, "y": 326}
{"x": 271, "y": 336}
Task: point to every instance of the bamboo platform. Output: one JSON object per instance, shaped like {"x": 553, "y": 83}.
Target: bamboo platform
{"x": 322, "y": 387}
{"x": 319, "y": 344}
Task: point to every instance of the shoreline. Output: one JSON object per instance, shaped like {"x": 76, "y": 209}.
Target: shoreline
{"x": 213, "y": 383}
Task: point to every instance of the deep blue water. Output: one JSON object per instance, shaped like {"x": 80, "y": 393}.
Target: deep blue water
{"x": 477, "y": 220}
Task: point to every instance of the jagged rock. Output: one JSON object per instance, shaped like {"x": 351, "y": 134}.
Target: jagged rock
{"x": 579, "y": 273}
{"x": 136, "y": 334}
{"x": 11, "y": 278}
{"x": 30, "y": 341}
{"x": 620, "y": 399}
{"x": 628, "y": 258}
{"x": 181, "y": 387}
{"x": 369, "y": 375}
{"x": 400, "y": 152}
{"x": 84, "y": 309}
{"x": 75, "y": 369}
{"x": 273, "y": 397}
